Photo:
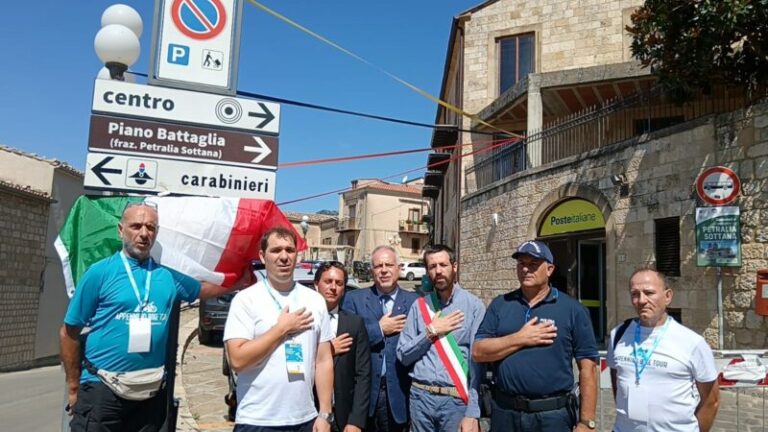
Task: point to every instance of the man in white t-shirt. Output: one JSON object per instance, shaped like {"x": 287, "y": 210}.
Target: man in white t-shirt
{"x": 278, "y": 340}
{"x": 657, "y": 366}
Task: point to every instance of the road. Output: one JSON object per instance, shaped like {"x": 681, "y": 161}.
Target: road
{"x": 32, "y": 400}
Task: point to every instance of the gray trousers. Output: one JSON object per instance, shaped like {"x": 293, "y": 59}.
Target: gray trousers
{"x": 435, "y": 413}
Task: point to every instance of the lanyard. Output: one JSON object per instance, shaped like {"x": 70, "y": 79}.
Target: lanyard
{"x": 277, "y": 303}
{"x": 641, "y": 356}
{"x": 147, "y": 285}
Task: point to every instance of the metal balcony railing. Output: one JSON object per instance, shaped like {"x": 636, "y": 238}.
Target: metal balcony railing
{"x": 413, "y": 227}
{"x": 347, "y": 224}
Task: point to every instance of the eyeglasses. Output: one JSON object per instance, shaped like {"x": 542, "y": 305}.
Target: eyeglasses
{"x": 150, "y": 204}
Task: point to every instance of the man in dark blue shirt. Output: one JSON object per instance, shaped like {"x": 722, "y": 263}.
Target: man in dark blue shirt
{"x": 531, "y": 336}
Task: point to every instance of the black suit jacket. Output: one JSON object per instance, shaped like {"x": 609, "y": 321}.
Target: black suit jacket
{"x": 352, "y": 374}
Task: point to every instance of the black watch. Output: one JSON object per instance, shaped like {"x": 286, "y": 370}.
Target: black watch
{"x": 326, "y": 416}
{"x": 589, "y": 423}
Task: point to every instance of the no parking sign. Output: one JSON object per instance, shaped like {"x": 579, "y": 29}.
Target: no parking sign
{"x": 196, "y": 44}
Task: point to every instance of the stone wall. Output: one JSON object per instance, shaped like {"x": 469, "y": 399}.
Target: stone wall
{"x": 23, "y": 223}
{"x": 661, "y": 170}
{"x": 569, "y": 34}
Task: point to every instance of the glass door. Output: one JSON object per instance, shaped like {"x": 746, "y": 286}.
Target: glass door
{"x": 591, "y": 282}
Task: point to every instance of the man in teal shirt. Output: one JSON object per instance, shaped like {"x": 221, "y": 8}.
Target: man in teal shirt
{"x": 126, "y": 300}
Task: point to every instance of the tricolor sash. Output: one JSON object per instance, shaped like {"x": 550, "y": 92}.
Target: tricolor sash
{"x": 447, "y": 349}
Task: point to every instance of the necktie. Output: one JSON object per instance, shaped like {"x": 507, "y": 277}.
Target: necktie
{"x": 385, "y": 309}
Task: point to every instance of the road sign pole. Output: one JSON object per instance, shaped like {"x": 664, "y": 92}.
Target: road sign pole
{"x": 720, "y": 320}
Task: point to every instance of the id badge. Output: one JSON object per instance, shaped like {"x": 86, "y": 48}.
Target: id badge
{"x": 139, "y": 334}
{"x": 294, "y": 358}
{"x": 637, "y": 405}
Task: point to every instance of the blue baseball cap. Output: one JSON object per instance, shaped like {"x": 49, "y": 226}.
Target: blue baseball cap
{"x": 535, "y": 249}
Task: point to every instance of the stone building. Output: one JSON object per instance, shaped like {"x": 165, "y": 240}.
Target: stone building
{"x": 573, "y": 144}
{"x": 35, "y": 197}
{"x": 374, "y": 212}
{"x": 321, "y": 236}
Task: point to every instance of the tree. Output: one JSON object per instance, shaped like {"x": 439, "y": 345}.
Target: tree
{"x": 690, "y": 44}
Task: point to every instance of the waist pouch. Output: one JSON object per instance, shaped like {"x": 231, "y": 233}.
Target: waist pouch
{"x": 135, "y": 385}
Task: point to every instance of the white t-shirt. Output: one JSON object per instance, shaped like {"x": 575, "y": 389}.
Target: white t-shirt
{"x": 266, "y": 394}
{"x": 666, "y": 398}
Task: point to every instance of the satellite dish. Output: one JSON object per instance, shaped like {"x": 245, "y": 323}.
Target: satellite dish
{"x": 405, "y": 179}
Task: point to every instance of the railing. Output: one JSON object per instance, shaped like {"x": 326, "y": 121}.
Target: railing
{"x": 413, "y": 227}
{"x": 346, "y": 224}
{"x": 599, "y": 126}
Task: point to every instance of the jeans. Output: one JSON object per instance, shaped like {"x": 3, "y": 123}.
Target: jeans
{"x": 503, "y": 420}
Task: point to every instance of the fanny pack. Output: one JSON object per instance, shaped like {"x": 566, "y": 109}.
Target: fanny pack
{"x": 135, "y": 385}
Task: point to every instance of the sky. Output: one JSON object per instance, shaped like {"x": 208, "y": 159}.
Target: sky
{"x": 48, "y": 66}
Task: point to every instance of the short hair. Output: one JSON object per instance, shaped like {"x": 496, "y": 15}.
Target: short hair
{"x": 327, "y": 265}
{"x": 662, "y": 277}
{"x": 281, "y": 232}
{"x": 437, "y": 249}
{"x": 378, "y": 249}
{"x": 142, "y": 203}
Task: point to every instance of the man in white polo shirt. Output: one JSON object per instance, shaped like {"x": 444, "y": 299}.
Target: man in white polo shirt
{"x": 278, "y": 340}
{"x": 656, "y": 362}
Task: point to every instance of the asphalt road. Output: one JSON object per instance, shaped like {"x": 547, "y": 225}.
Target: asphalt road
{"x": 32, "y": 400}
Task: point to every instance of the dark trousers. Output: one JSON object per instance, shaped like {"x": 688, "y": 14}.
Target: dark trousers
{"x": 507, "y": 420}
{"x": 382, "y": 420}
{"x": 304, "y": 427}
{"x": 98, "y": 409}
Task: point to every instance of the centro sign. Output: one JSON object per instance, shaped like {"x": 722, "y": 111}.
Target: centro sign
{"x": 124, "y": 99}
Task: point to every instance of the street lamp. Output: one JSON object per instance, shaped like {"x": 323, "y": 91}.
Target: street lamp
{"x": 117, "y": 42}
{"x": 304, "y": 228}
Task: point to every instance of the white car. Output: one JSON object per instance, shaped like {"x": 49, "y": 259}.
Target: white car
{"x": 412, "y": 270}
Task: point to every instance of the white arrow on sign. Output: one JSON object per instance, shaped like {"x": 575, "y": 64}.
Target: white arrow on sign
{"x": 263, "y": 150}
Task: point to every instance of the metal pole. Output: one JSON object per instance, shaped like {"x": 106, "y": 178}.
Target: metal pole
{"x": 172, "y": 404}
{"x": 720, "y": 319}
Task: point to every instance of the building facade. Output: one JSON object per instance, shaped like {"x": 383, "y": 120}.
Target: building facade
{"x": 573, "y": 144}
{"x": 35, "y": 197}
{"x": 374, "y": 213}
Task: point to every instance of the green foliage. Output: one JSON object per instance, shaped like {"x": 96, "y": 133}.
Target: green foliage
{"x": 689, "y": 44}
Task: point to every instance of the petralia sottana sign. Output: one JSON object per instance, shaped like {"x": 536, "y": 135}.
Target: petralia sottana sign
{"x": 197, "y": 108}
{"x": 196, "y": 44}
{"x": 718, "y": 237}
{"x": 137, "y": 173}
{"x": 718, "y": 185}
{"x": 173, "y": 141}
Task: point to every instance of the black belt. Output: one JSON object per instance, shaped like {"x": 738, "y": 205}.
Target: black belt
{"x": 521, "y": 403}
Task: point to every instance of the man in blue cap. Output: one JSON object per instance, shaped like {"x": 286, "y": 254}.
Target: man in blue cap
{"x": 530, "y": 337}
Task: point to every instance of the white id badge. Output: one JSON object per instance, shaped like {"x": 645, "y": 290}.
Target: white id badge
{"x": 139, "y": 334}
{"x": 294, "y": 358}
{"x": 637, "y": 406}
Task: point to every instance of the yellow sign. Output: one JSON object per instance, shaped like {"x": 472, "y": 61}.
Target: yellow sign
{"x": 571, "y": 216}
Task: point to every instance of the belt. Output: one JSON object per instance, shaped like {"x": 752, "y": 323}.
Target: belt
{"x": 438, "y": 390}
{"x": 521, "y": 403}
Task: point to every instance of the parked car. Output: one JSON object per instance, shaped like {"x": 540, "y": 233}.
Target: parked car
{"x": 361, "y": 270}
{"x": 412, "y": 270}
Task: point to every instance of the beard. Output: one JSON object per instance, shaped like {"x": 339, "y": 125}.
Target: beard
{"x": 134, "y": 252}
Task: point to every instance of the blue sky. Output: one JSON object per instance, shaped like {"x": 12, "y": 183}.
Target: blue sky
{"x": 48, "y": 66}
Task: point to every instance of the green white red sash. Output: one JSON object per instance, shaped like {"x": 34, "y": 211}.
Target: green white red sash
{"x": 447, "y": 349}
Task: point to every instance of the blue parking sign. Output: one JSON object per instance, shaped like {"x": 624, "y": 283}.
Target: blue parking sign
{"x": 178, "y": 54}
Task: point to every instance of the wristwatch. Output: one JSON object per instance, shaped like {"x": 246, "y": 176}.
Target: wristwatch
{"x": 326, "y": 416}
{"x": 589, "y": 423}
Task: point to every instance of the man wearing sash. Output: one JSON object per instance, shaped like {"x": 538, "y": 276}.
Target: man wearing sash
{"x": 278, "y": 339}
{"x": 126, "y": 300}
{"x": 532, "y": 335}
{"x": 655, "y": 363}
{"x": 437, "y": 342}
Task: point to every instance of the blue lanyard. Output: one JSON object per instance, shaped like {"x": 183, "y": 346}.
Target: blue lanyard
{"x": 641, "y": 357}
{"x": 277, "y": 303}
{"x": 147, "y": 281}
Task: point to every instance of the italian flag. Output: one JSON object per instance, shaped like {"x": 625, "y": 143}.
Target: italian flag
{"x": 447, "y": 349}
{"x": 209, "y": 239}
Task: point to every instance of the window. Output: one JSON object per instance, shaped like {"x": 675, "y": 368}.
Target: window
{"x": 415, "y": 245}
{"x": 668, "y": 245}
{"x": 516, "y": 59}
{"x": 327, "y": 241}
{"x": 414, "y": 215}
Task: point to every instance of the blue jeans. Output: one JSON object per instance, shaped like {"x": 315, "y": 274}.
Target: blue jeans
{"x": 435, "y": 413}
{"x": 504, "y": 420}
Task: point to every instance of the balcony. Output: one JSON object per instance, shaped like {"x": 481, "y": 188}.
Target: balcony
{"x": 347, "y": 224}
{"x": 413, "y": 227}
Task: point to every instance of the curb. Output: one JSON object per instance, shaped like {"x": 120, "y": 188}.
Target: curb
{"x": 185, "y": 422}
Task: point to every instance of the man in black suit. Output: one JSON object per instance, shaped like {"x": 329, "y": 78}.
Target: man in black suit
{"x": 351, "y": 353}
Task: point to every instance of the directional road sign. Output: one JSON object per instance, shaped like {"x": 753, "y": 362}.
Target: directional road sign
{"x": 146, "y": 175}
{"x": 196, "y": 43}
{"x": 160, "y": 103}
{"x": 172, "y": 141}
